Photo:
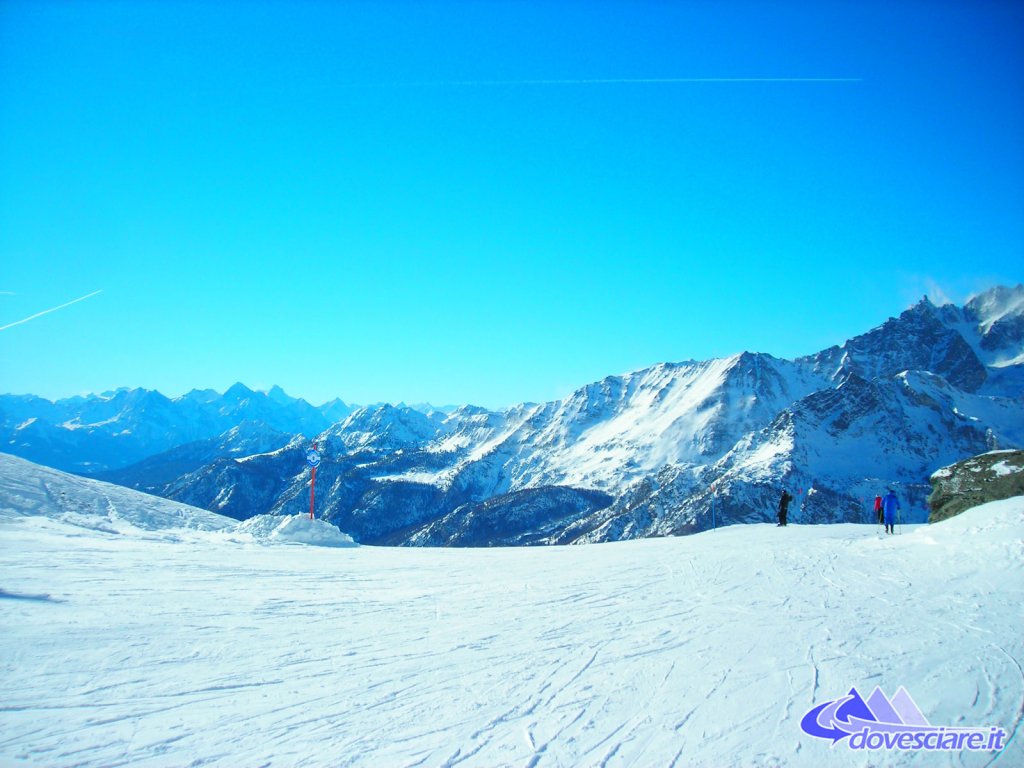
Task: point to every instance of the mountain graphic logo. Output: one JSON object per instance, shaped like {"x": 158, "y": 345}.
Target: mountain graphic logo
{"x": 897, "y": 723}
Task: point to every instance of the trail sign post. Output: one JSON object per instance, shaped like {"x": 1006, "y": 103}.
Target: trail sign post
{"x": 713, "y": 524}
{"x": 313, "y": 459}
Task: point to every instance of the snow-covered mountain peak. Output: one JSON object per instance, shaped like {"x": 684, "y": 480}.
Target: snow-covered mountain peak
{"x": 991, "y": 324}
{"x": 201, "y": 396}
{"x": 467, "y": 412}
{"x": 110, "y": 394}
{"x": 278, "y": 395}
{"x": 238, "y": 392}
{"x": 336, "y": 410}
{"x": 996, "y": 304}
{"x": 621, "y": 428}
{"x": 921, "y": 338}
{"x": 247, "y": 432}
{"x": 385, "y": 427}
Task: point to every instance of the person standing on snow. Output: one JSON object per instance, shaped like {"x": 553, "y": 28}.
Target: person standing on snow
{"x": 784, "y": 506}
{"x": 890, "y": 505}
{"x": 878, "y": 509}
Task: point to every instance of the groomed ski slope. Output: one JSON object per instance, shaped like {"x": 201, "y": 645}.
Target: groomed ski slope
{"x": 173, "y": 647}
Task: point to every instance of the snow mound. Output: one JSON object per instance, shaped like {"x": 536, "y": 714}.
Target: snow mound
{"x": 295, "y": 529}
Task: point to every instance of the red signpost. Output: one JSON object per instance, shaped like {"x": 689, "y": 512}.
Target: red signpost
{"x": 714, "y": 525}
{"x": 313, "y": 459}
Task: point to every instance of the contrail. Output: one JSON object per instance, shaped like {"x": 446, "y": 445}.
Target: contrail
{"x": 48, "y": 311}
{"x": 607, "y": 81}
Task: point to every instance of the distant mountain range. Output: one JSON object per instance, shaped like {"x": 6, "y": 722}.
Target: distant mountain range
{"x": 629, "y": 456}
{"x": 99, "y": 433}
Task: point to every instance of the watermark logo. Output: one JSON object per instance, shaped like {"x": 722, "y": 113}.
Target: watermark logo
{"x": 883, "y": 723}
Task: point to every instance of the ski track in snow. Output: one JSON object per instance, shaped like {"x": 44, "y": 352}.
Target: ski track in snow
{"x": 159, "y": 648}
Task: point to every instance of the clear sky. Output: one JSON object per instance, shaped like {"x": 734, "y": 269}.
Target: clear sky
{"x": 488, "y": 202}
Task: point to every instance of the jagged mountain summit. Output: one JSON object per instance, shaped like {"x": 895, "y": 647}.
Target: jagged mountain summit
{"x": 976, "y": 348}
{"x": 651, "y": 452}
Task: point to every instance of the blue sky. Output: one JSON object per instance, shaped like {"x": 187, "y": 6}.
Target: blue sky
{"x": 378, "y": 201}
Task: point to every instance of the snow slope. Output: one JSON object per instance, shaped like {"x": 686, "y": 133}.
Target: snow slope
{"x": 30, "y": 489}
{"x": 158, "y": 650}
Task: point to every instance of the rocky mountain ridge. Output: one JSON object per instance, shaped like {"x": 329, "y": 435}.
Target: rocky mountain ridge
{"x": 992, "y": 476}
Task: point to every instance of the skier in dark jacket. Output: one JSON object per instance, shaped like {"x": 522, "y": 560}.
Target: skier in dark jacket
{"x": 890, "y": 505}
{"x": 784, "y": 506}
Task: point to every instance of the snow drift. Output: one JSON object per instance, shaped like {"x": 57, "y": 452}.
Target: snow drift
{"x": 295, "y": 529}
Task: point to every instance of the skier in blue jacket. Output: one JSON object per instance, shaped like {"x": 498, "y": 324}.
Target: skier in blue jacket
{"x": 890, "y": 504}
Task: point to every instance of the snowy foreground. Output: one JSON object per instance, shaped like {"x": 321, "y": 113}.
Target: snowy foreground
{"x": 140, "y": 644}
